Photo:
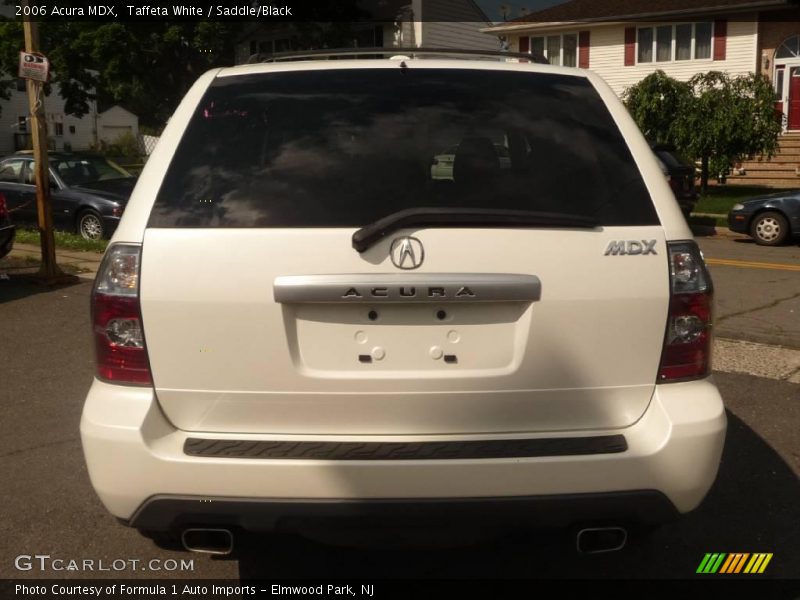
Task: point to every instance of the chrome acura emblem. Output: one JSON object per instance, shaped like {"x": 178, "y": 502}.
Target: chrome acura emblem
{"x": 407, "y": 253}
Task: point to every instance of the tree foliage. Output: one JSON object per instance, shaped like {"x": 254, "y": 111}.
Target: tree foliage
{"x": 714, "y": 118}
{"x": 654, "y": 102}
{"x": 146, "y": 66}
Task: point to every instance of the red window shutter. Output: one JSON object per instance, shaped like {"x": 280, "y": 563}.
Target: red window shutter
{"x": 630, "y": 46}
{"x": 583, "y": 49}
{"x": 720, "y": 39}
{"x": 524, "y": 44}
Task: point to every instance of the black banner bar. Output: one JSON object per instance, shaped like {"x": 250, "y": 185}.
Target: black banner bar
{"x": 109, "y": 589}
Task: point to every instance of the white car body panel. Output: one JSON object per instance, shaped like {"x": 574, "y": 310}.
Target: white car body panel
{"x": 134, "y": 453}
{"x": 226, "y": 357}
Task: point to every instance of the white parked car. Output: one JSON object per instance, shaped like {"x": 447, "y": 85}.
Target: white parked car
{"x": 294, "y": 323}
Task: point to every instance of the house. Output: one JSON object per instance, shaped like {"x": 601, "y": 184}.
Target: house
{"x": 625, "y": 40}
{"x": 65, "y": 132}
{"x": 115, "y": 122}
{"x": 397, "y": 23}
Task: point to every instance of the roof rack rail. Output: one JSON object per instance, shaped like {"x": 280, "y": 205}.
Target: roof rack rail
{"x": 384, "y": 52}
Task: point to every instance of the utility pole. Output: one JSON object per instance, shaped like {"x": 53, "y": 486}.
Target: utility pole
{"x": 49, "y": 272}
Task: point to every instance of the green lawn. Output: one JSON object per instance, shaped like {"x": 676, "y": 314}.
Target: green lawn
{"x": 721, "y": 198}
{"x": 65, "y": 240}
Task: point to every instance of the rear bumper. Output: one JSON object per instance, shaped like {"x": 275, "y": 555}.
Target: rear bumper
{"x": 175, "y": 513}
{"x": 739, "y": 221}
{"x": 7, "y": 234}
{"x": 139, "y": 468}
{"x": 110, "y": 225}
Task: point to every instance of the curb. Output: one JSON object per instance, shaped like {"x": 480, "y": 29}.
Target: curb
{"x": 85, "y": 260}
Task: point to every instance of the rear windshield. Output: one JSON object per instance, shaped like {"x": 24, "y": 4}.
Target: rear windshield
{"x": 343, "y": 148}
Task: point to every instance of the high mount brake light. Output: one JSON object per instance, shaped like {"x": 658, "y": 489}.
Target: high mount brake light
{"x": 687, "y": 344}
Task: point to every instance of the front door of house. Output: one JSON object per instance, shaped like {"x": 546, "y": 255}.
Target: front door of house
{"x": 794, "y": 98}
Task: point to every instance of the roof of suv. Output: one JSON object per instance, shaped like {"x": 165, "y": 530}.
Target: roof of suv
{"x": 395, "y": 63}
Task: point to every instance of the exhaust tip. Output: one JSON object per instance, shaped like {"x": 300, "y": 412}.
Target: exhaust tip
{"x": 595, "y": 540}
{"x": 208, "y": 541}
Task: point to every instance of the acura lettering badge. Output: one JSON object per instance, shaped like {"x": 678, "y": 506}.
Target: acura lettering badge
{"x": 407, "y": 253}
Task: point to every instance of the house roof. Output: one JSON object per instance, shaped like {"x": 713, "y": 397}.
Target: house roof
{"x": 118, "y": 107}
{"x": 621, "y": 10}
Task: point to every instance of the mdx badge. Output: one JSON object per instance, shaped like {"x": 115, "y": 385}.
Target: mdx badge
{"x": 407, "y": 253}
{"x": 631, "y": 247}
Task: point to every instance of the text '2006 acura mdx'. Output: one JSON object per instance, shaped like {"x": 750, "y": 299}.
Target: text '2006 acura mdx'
{"x": 295, "y": 322}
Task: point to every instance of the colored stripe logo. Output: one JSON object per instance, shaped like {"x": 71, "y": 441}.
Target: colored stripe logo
{"x": 734, "y": 563}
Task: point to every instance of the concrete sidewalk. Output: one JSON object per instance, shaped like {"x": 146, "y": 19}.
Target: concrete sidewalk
{"x": 83, "y": 262}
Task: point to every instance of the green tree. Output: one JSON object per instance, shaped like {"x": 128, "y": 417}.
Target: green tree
{"x": 654, "y": 102}
{"x": 716, "y": 119}
{"x": 727, "y": 120}
{"x": 147, "y": 66}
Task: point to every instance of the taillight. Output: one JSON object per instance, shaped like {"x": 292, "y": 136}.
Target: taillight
{"x": 3, "y": 206}
{"x": 687, "y": 344}
{"x": 117, "y": 320}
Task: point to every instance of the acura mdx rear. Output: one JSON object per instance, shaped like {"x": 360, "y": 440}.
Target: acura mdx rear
{"x": 295, "y": 322}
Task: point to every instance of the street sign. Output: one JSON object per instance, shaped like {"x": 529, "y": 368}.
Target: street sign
{"x": 34, "y": 66}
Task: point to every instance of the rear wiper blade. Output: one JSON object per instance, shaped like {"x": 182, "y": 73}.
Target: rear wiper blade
{"x": 368, "y": 235}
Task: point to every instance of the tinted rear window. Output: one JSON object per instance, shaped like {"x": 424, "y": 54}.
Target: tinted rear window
{"x": 345, "y": 148}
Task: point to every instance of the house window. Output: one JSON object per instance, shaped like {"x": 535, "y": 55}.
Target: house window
{"x": 702, "y": 40}
{"x": 683, "y": 41}
{"x": 570, "y": 56}
{"x": 554, "y": 49}
{"x": 645, "y": 54}
{"x": 22, "y": 124}
{"x": 58, "y": 129}
{"x": 665, "y": 43}
{"x": 557, "y": 49}
{"x": 72, "y": 128}
{"x": 790, "y": 48}
{"x": 779, "y": 82}
{"x": 537, "y": 46}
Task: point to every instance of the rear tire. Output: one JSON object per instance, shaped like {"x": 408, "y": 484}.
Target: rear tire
{"x": 90, "y": 225}
{"x": 769, "y": 228}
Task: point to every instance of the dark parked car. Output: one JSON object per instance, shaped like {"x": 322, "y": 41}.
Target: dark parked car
{"x": 680, "y": 176}
{"x": 6, "y": 228}
{"x": 769, "y": 219}
{"x": 88, "y": 192}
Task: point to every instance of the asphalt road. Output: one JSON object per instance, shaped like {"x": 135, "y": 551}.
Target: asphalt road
{"x": 757, "y": 289}
{"x": 48, "y": 506}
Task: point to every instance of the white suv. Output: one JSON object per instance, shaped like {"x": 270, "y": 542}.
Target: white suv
{"x": 296, "y": 322}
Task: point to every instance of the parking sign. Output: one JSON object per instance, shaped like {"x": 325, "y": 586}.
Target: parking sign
{"x": 33, "y": 65}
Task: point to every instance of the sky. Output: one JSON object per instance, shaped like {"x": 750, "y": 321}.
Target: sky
{"x": 494, "y": 12}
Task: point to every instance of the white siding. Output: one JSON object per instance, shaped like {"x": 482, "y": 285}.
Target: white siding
{"x": 17, "y": 106}
{"x": 455, "y": 24}
{"x": 462, "y": 36}
{"x": 607, "y": 54}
